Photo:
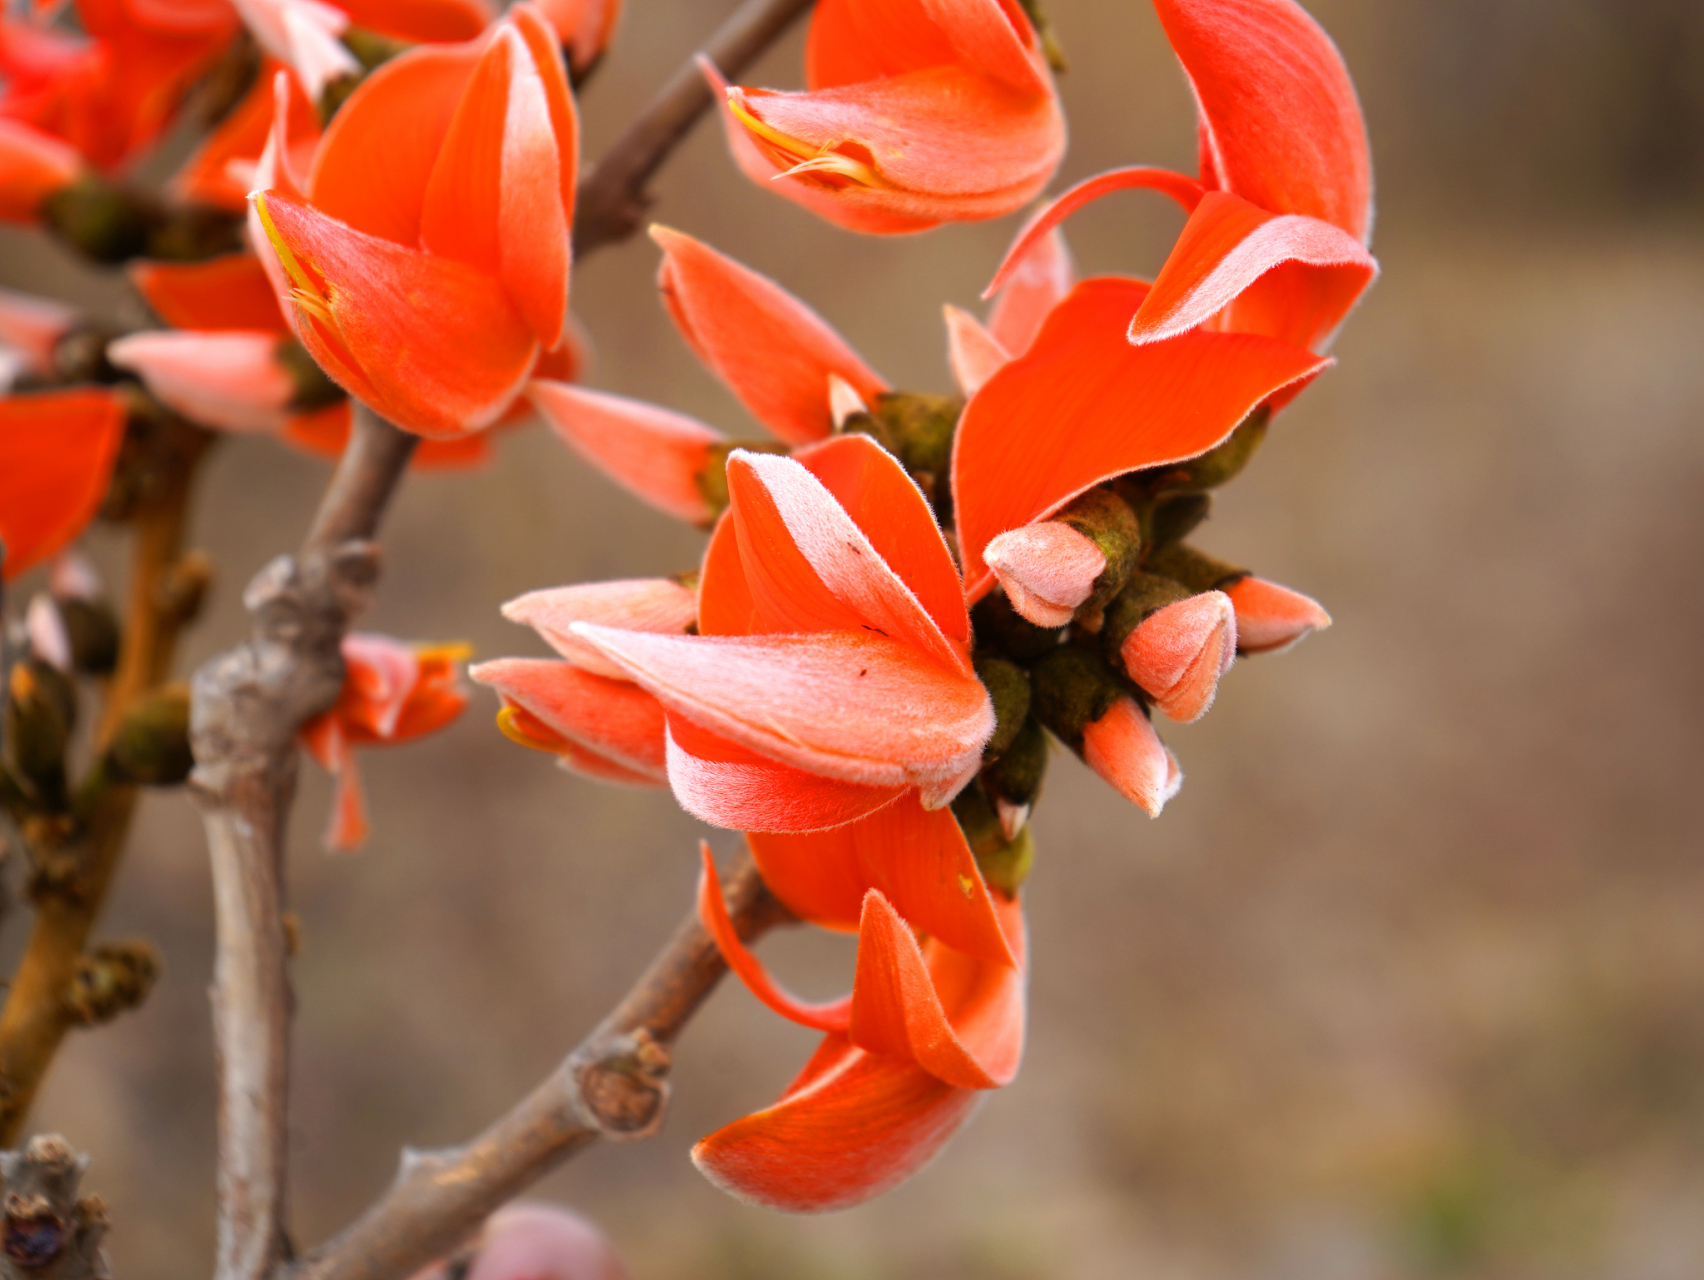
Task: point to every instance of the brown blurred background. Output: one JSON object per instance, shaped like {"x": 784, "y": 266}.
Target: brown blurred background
{"x": 1408, "y": 982}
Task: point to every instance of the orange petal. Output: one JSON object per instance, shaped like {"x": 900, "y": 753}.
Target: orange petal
{"x": 379, "y": 673}
{"x": 494, "y": 199}
{"x": 1036, "y": 283}
{"x": 1084, "y": 406}
{"x": 230, "y": 291}
{"x": 56, "y": 455}
{"x": 937, "y": 145}
{"x": 1281, "y": 125}
{"x": 615, "y": 719}
{"x": 583, "y": 27}
{"x": 1178, "y": 653}
{"x": 33, "y": 165}
{"x": 634, "y": 604}
{"x": 348, "y": 827}
{"x": 728, "y": 785}
{"x": 811, "y": 567}
{"x": 420, "y": 20}
{"x": 1028, "y": 251}
{"x": 1124, "y": 749}
{"x": 1271, "y": 618}
{"x": 973, "y": 352}
{"x": 896, "y": 1009}
{"x": 815, "y": 873}
{"x": 373, "y": 165}
{"x": 213, "y": 174}
{"x": 856, "y": 40}
{"x": 655, "y": 454}
{"x": 772, "y": 351}
{"x": 725, "y": 604}
{"x": 860, "y": 1124}
{"x": 831, "y": 1015}
{"x": 230, "y": 380}
{"x": 430, "y": 343}
{"x": 1048, "y": 569}
{"x": 1290, "y": 277}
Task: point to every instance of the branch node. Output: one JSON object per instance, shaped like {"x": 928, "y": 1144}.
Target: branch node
{"x": 115, "y": 977}
{"x": 622, "y": 1085}
{"x": 48, "y": 1233}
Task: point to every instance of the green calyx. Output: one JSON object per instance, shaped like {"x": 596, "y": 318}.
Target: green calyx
{"x": 151, "y": 745}
{"x": 1009, "y": 690}
{"x": 1072, "y": 688}
{"x": 1109, "y": 522}
{"x": 1005, "y": 863}
{"x": 1194, "y": 569}
{"x": 1143, "y": 596}
{"x": 713, "y": 479}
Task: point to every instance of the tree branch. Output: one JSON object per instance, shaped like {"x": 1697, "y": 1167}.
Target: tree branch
{"x": 612, "y": 201}
{"x": 165, "y": 591}
{"x": 248, "y": 705}
{"x": 614, "y": 1086}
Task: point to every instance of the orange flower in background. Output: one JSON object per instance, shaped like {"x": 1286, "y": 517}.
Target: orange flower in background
{"x": 426, "y": 259}
{"x": 917, "y": 112}
{"x": 925, "y": 1030}
{"x": 56, "y": 456}
{"x": 1281, "y": 217}
{"x": 33, "y": 165}
{"x": 392, "y": 693}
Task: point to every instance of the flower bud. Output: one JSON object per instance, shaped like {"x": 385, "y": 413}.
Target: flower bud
{"x": 1271, "y": 618}
{"x": 1077, "y": 560}
{"x": 1013, "y": 782}
{"x": 1178, "y": 654}
{"x": 114, "y": 977}
{"x": 151, "y": 745}
{"x": 41, "y": 713}
{"x": 1000, "y": 627}
{"x": 1071, "y": 688}
{"x": 1123, "y": 748}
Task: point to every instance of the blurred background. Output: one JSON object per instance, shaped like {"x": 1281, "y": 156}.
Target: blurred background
{"x": 1408, "y": 982}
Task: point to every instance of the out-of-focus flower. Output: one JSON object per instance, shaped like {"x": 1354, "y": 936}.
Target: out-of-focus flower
{"x": 33, "y": 166}
{"x": 915, "y": 113}
{"x": 533, "y": 1242}
{"x": 584, "y": 27}
{"x": 925, "y": 1030}
{"x": 30, "y": 329}
{"x": 57, "y": 451}
{"x": 426, "y": 260}
{"x": 392, "y": 693}
{"x": 233, "y": 380}
{"x": 221, "y": 171}
{"x": 1279, "y": 222}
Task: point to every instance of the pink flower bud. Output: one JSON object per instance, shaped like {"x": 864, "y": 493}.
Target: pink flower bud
{"x": 232, "y": 380}
{"x": 46, "y": 631}
{"x": 1271, "y": 618}
{"x": 1047, "y": 569}
{"x": 1124, "y": 749}
{"x": 1179, "y": 653}
{"x": 537, "y": 1242}
{"x": 974, "y": 353}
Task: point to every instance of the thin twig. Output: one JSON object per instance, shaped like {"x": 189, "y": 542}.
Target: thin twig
{"x": 614, "y": 1086}
{"x": 37, "y": 1013}
{"x": 612, "y": 200}
{"x": 248, "y": 705}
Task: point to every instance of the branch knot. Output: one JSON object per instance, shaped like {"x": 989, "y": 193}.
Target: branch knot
{"x": 622, "y": 1085}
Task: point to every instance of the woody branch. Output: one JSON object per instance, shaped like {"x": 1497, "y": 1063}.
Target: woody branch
{"x": 248, "y": 706}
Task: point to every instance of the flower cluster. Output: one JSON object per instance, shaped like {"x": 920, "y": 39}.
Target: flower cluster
{"x": 904, "y": 597}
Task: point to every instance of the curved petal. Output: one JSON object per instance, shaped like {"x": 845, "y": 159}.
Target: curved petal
{"x": 1038, "y": 280}
{"x": 850, "y": 706}
{"x": 773, "y": 352}
{"x": 1288, "y": 277}
{"x": 633, "y": 604}
{"x": 729, "y": 786}
{"x": 1124, "y": 750}
{"x": 973, "y": 352}
{"x": 725, "y": 604}
{"x": 231, "y": 380}
{"x": 852, "y": 1126}
{"x": 1084, "y": 405}
{"x": 615, "y": 719}
{"x": 419, "y": 20}
{"x": 216, "y": 172}
{"x": 1281, "y": 125}
{"x": 228, "y": 292}
{"x": 1028, "y": 252}
{"x": 829, "y": 1015}
{"x": 56, "y": 455}
{"x": 432, "y": 344}
{"x": 856, "y": 40}
{"x": 1272, "y": 618}
{"x": 654, "y": 453}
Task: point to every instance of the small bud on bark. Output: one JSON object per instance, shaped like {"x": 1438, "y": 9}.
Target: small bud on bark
{"x": 151, "y": 746}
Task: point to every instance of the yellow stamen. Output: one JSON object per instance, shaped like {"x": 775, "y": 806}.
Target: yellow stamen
{"x": 513, "y": 723}
{"x": 451, "y": 651}
{"x": 823, "y": 159}
{"x": 304, "y": 293}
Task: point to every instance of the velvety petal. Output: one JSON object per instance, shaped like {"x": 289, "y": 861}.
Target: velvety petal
{"x": 56, "y": 455}
{"x": 613, "y": 718}
{"x": 230, "y": 291}
{"x": 772, "y": 351}
{"x": 377, "y": 156}
{"x": 654, "y": 453}
{"x": 1290, "y": 277}
{"x": 972, "y": 351}
{"x": 728, "y": 785}
{"x": 725, "y": 604}
{"x": 1084, "y": 405}
{"x": 1281, "y": 125}
{"x": 1271, "y": 618}
{"x": 420, "y": 20}
{"x": 379, "y": 674}
{"x": 1178, "y": 653}
{"x": 815, "y": 873}
{"x": 432, "y": 344}
{"x": 634, "y": 604}
{"x": 1028, "y": 249}
{"x": 857, "y": 40}
{"x": 1047, "y": 569}
{"x": 830, "y": 1015}
{"x": 215, "y": 172}
{"x": 1124, "y": 749}
{"x": 810, "y": 566}
{"x": 859, "y": 1124}
{"x": 1036, "y": 283}
{"x": 584, "y": 27}
{"x": 231, "y": 380}
{"x": 348, "y": 828}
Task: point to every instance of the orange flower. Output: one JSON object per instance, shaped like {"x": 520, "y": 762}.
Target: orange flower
{"x": 917, "y": 112}
{"x": 1281, "y": 217}
{"x": 392, "y": 693}
{"x": 56, "y": 455}
{"x": 427, "y": 261}
{"x": 33, "y": 165}
{"x": 925, "y": 1029}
